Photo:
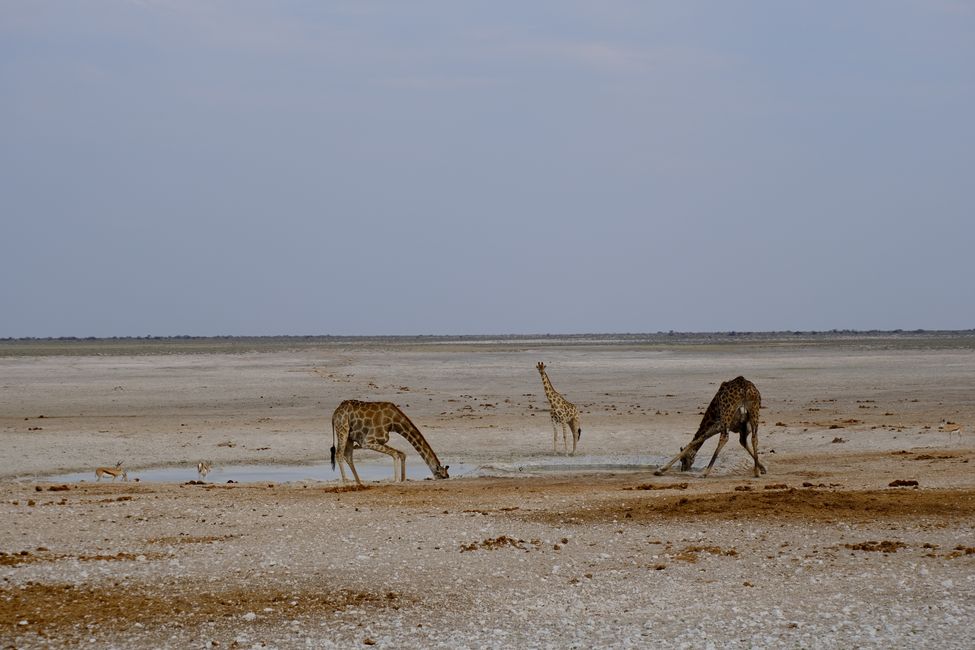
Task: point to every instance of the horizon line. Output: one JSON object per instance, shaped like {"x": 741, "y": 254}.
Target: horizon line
{"x": 729, "y": 333}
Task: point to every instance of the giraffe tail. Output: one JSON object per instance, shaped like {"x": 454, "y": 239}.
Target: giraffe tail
{"x": 333, "y": 446}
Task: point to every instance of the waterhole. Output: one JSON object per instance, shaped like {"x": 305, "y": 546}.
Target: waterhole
{"x": 375, "y": 471}
{"x": 270, "y": 473}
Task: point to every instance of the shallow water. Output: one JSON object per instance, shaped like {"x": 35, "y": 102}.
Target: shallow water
{"x": 368, "y": 471}
{"x": 572, "y": 465}
{"x": 260, "y": 473}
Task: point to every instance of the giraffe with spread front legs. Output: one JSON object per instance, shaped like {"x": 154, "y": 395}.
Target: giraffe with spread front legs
{"x": 563, "y": 413}
{"x": 368, "y": 424}
{"x": 735, "y": 408}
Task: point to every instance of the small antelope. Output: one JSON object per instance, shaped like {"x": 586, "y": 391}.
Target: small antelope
{"x": 114, "y": 472}
{"x": 203, "y": 468}
{"x": 951, "y": 428}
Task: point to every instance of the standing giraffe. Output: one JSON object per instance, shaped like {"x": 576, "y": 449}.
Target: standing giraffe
{"x": 368, "y": 424}
{"x": 735, "y": 408}
{"x": 563, "y": 412}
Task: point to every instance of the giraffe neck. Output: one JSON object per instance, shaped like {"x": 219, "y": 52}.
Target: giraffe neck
{"x": 550, "y": 392}
{"x": 409, "y": 431}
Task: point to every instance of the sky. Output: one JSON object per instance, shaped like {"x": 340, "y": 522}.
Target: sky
{"x": 194, "y": 167}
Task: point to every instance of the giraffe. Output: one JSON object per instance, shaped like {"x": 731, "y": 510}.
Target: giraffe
{"x": 563, "y": 412}
{"x": 735, "y": 408}
{"x": 368, "y": 424}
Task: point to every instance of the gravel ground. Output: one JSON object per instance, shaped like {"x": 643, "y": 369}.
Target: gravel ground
{"x": 822, "y": 552}
{"x": 595, "y": 560}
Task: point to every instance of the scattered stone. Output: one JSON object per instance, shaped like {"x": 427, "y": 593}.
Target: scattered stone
{"x": 689, "y": 553}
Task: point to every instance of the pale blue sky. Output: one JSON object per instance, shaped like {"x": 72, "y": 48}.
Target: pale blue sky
{"x": 189, "y": 167}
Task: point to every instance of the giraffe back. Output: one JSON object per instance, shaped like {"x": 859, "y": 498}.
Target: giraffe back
{"x": 360, "y": 419}
{"x": 736, "y": 405}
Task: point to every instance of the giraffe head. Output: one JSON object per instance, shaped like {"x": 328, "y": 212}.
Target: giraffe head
{"x": 441, "y": 471}
{"x": 541, "y": 368}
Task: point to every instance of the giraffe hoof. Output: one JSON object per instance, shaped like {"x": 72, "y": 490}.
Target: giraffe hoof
{"x": 658, "y": 473}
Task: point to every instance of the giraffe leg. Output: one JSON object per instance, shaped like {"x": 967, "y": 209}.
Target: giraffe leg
{"x": 340, "y": 456}
{"x": 753, "y": 451}
{"x": 348, "y": 459}
{"x": 565, "y": 439}
{"x": 341, "y": 441}
{"x": 555, "y": 436}
{"x": 396, "y": 455}
{"x": 721, "y": 442}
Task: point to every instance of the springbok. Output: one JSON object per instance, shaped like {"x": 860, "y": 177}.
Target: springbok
{"x": 114, "y": 472}
{"x": 951, "y": 428}
{"x": 203, "y": 468}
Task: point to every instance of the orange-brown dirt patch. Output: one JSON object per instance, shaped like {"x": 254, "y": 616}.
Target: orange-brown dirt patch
{"x": 68, "y": 610}
{"x": 885, "y": 546}
{"x": 791, "y": 504}
{"x": 42, "y": 555}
